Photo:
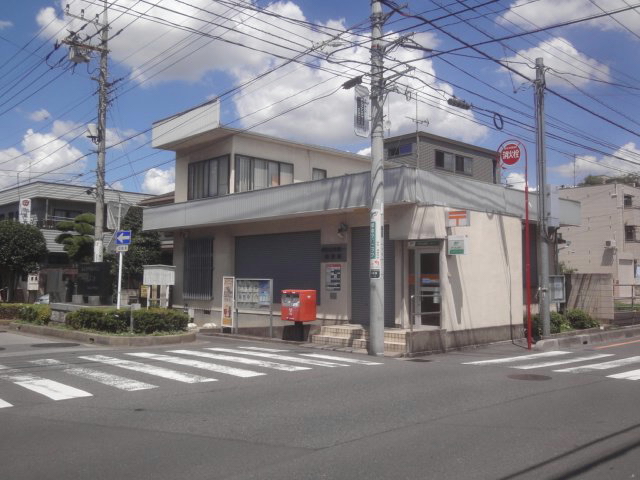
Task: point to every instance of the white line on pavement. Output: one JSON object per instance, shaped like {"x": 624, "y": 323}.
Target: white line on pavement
{"x": 148, "y": 369}
{"x": 281, "y": 357}
{"x": 236, "y": 372}
{"x": 245, "y": 361}
{"x": 586, "y": 358}
{"x": 517, "y": 359}
{"x": 341, "y": 359}
{"x": 601, "y": 366}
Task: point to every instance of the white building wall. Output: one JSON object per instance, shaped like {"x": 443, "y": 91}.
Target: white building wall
{"x": 484, "y": 287}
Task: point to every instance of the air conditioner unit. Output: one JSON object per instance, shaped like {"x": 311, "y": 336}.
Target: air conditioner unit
{"x": 610, "y": 244}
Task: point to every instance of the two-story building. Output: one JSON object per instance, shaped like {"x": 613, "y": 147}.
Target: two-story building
{"x": 50, "y": 203}
{"x": 253, "y": 206}
{"x": 608, "y": 239}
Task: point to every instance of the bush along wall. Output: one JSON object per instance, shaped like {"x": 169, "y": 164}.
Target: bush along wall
{"x": 10, "y": 311}
{"x": 572, "y": 320}
{"x": 111, "y": 320}
{"x": 37, "y": 314}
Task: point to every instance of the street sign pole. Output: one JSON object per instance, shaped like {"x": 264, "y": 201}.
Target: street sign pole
{"x": 120, "y": 255}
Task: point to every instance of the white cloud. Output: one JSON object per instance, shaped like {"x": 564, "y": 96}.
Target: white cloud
{"x": 42, "y": 156}
{"x": 266, "y": 102}
{"x": 562, "y": 58}
{"x": 5, "y": 24}
{"x": 157, "y": 181}
{"x": 365, "y": 151}
{"x": 542, "y": 13}
{"x": 607, "y": 165}
{"x": 39, "y": 115}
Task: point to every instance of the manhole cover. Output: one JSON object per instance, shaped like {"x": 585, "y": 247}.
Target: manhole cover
{"x": 418, "y": 360}
{"x": 528, "y": 376}
{"x": 54, "y": 345}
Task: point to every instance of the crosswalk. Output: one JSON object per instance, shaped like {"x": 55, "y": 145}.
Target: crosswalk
{"x": 561, "y": 358}
{"x": 114, "y": 370}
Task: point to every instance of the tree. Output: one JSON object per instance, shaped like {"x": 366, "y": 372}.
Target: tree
{"x": 22, "y": 247}
{"x": 78, "y": 238}
{"x": 143, "y": 250}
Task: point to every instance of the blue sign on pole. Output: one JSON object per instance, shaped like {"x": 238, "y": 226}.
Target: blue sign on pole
{"x": 123, "y": 237}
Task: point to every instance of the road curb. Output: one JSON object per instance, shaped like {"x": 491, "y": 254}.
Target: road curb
{"x": 587, "y": 338}
{"x": 98, "y": 339}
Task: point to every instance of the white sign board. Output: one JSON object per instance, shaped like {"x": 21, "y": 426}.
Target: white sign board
{"x": 457, "y": 245}
{"x": 228, "y": 295}
{"x": 361, "y": 115}
{"x": 25, "y": 210}
{"x": 457, "y": 218}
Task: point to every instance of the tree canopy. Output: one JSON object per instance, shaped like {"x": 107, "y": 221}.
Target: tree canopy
{"x": 77, "y": 239}
{"x": 22, "y": 247}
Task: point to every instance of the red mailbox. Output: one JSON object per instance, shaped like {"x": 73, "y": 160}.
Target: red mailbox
{"x": 299, "y": 305}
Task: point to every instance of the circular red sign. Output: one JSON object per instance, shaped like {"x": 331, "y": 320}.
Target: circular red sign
{"x": 510, "y": 154}
{"x": 26, "y": 202}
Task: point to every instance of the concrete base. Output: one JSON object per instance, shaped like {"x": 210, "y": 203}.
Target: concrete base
{"x": 77, "y": 299}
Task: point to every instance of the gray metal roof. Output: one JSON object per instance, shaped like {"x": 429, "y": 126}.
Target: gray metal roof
{"x": 65, "y": 192}
{"x": 403, "y": 185}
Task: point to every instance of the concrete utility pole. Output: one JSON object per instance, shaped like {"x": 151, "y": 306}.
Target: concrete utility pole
{"x": 543, "y": 244}
{"x": 77, "y": 55}
{"x": 376, "y": 225}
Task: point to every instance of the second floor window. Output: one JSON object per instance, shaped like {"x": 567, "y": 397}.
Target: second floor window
{"x": 209, "y": 178}
{"x": 630, "y": 233}
{"x": 255, "y": 173}
{"x": 454, "y": 163}
{"x": 399, "y": 149}
{"x": 318, "y": 174}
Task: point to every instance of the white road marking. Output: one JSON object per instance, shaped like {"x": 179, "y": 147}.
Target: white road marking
{"x": 245, "y": 361}
{"x": 109, "y": 379}
{"x": 631, "y": 375}
{"x": 48, "y": 388}
{"x": 149, "y": 369}
{"x": 4, "y": 404}
{"x": 601, "y": 366}
{"x": 261, "y": 349}
{"x": 342, "y": 359}
{"x": 236, "y": 372}
{"x": 517, "y": 359}
{"x": 281, "y": 357}
{"x": 562, "y": 362}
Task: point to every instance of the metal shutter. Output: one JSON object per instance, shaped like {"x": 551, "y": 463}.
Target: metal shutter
{"x": 360, "y": 277}
{"x": 292, "y": 260}
{"x": 198, "y": 269}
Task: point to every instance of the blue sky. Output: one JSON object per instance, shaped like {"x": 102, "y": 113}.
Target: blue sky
{"x": 171, "y": 55}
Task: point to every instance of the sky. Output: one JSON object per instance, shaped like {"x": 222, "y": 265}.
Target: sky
{"x": 278, "y": 68}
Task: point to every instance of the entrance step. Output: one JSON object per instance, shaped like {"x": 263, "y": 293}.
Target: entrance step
{"x": 357, "y": 337}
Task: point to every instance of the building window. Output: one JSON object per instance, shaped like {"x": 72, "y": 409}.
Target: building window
{"x": 445, "y": 160}
{"x": 630, "y": 233}
{"x": 628, "y": 200}
{"x": 255, "y": 173}
{"x": 198, "y": 269}
{"x": 454, "y": 163}
{"x": 464, "y": 165}
{"x": 400, "y": 149}
{"x": 318, "y": 174}
{"x": 209, "y": 178}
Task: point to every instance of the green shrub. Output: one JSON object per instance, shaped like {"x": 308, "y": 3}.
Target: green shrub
{"x": 111, "y": 320}
{"x": 579, "y": 319}
{"x": 10, "y": 311}
{"x": 37, "y": 314}
{"x": 558, "y": 322}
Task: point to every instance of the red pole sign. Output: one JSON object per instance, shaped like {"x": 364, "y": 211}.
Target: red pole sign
{"x": 510, "y": 154}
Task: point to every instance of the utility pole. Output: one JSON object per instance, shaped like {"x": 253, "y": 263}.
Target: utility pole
{"x": 543, "y": 244}
{"x": 77, "y": 54}
{"x": 376, "y": 219}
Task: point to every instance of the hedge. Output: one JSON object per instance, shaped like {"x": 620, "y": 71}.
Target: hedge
{"x": 111, "y": 320}
{"x": 36, "y": 313}
{"x": 573, "y": 319}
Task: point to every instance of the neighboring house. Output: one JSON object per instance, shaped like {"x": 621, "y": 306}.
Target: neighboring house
{"x": 608, "y": 238}
{"x": 51, "y": 203}
{"x": 254, "y": 206}
{"x": 426, "y": 151}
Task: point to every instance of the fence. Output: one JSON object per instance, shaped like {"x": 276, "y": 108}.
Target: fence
{"x": 593, "y": 293}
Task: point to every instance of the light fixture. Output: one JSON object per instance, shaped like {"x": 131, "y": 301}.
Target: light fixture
{"x": 93, "y": 133}
{"x": 342, "y": 229}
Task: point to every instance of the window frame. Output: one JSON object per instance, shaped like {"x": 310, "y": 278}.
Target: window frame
{"x": 322, "y": 174}
{"x": 199, "y": 175}
{"x": 270, "y": 169}
{"x": 396, "y": 150}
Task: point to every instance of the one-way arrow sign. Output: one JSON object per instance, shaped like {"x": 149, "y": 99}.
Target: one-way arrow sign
{"x": 123, "y": 237}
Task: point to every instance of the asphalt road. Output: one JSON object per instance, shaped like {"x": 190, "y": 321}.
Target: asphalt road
{"x": 438, "y": 417}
